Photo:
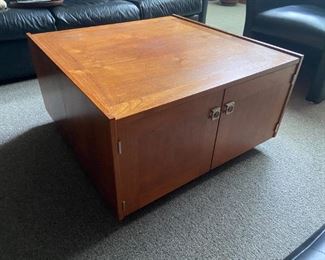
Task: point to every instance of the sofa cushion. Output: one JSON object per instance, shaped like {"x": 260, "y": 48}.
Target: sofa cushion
{"x": 157, "y": 8}
{"x": 15, "y": 23}
{"x": 81, "y": 13}
{"x": 304, "y": 24}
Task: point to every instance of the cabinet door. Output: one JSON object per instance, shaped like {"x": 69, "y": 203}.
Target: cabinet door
{"x": 163, "y": 149}
{"x": 258, "y": 104}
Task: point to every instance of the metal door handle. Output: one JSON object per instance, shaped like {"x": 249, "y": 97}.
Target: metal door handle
{"x": 215, "y": 113}
{"x": 229, "y": 107}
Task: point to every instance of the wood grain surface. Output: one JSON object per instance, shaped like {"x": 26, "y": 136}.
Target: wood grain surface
{"x": 132, "y": 67}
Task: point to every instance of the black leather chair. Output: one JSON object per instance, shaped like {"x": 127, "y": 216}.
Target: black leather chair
{"x": 298, "y": 25}
{"x": 312, "y": 249}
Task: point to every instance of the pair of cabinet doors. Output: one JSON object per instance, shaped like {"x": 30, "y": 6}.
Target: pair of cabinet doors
{"x": 167, "y": 148}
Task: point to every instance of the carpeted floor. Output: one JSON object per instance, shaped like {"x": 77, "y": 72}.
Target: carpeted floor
{"x": 259, "y": 206}
{"x": 228, "y": 18}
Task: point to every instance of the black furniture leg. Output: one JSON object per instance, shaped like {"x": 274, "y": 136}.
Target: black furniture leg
{"x": 316, "y": 92}
{"x": 203, "y": 14}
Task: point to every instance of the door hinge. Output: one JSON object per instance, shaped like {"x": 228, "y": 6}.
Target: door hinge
{"x": 294, "y": 78}
{"x": 119, "y": 147}
{"x": 123, "y": 205}
{"x": 276, "y": 129}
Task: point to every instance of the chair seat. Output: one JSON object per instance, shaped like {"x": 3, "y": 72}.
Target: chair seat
{"x": 304, "y": 24}
{"x": 15, "y": 23}
{"x": 81, "y": 13}
{"x": 157, "y": 8}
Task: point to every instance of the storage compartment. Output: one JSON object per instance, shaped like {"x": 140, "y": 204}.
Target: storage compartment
{"x": 257, "y": 107}
{"x": 164, "y": 149}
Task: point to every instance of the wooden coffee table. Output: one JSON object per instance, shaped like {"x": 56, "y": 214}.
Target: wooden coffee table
{"x": 151, "y": 105}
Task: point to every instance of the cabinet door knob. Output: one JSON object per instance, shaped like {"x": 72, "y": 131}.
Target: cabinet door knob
{"x": 215, "y": 113}
{"x": 230, "y": 107}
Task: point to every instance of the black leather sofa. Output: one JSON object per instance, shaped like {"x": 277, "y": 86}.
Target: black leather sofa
{"x": 15, "y": 60}
{"x": 298, "y": 25}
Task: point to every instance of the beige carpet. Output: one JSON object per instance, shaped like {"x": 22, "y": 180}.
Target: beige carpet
{"x": 228, "y": 18}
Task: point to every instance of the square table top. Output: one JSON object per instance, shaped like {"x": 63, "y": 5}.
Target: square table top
{"x": 131, "y": 67}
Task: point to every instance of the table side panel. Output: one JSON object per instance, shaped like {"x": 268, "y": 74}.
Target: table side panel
{"x": 163, "y": 150}
{"x": 86, "y": 129}
{"x": 258, "y": 109}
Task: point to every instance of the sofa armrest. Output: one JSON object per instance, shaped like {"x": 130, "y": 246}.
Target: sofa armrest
{"x": 254, "y": 7}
